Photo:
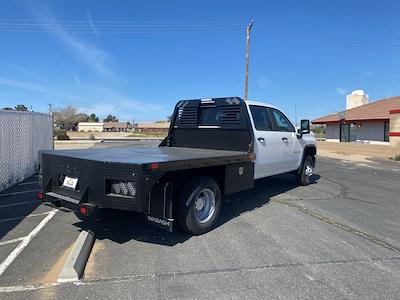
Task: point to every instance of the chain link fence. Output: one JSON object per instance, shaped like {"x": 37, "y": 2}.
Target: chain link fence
{"x": 22, "y": 135}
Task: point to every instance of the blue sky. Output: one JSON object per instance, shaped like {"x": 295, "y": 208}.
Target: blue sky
{"x": 135, "y": 59}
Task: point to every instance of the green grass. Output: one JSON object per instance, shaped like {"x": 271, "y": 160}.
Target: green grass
{"x": 396, "y": 158}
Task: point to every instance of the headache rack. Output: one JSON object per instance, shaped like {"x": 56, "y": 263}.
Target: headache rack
{"x": 217, "y": 123}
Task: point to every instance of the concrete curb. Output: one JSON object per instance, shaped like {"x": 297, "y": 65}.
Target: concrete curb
{"x": 72, "y": 141}
{"x": 76, "y": 261}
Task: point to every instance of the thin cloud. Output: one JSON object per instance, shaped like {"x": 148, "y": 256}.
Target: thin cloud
{"x": 76, "y": 79}
{"x": 93, "y": 99}
{"x": 341, "y": 91}
{"x": 27, "y": 73}
{"x": 264, "y": 82}
{"x": 368, "y": 74}
{"x": 93, "y": 26}
{"x": 103, "y": 101}
{"x": 32, "y": 87}
{"x": 96, "y": 58}
{"x": 126, "y": 111}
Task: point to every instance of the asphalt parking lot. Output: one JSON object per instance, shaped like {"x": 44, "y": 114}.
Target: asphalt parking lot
{"x": 337, "y": 238}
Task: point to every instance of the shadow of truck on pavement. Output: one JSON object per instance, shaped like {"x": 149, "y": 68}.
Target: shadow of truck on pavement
{"x": 123, "y": 226}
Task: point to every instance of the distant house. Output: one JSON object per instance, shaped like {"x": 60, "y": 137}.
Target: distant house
{"x": 116, "y": 126}
{"x": 90, "y": 126}
{"x": 152, "y": 127}
{"x": 377, "y": 122}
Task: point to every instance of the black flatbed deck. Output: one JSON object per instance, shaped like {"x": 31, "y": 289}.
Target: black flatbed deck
{"x": 147, "y": 155}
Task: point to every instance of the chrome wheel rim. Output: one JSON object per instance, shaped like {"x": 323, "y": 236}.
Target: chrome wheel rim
{"x": 308, "y": 171}
{"x": 204, "y": 205}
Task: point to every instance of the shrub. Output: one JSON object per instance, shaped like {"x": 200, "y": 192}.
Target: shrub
{"x": 60, "y": 134}
{"x": 92, "y": 137}
{"x": 59, "y": 131}
{"x": 62, "y": 137}
{"x": 397, "y": 157}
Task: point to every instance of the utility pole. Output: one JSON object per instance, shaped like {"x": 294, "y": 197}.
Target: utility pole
{"x": 246, "y": 80}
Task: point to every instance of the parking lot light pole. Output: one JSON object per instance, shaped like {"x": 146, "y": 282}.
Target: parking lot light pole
{"x": 246, "y": 80}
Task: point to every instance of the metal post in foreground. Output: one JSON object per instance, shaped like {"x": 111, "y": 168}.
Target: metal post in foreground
{"x": 52, "y": 121}
{"x": 246, "y": 80}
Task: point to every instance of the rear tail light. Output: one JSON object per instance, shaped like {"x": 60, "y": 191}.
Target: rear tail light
{"x": 40, "y": 195}
{"x": 154, "y": 166}
{"x": 83, "y": 210}
{"x": 131, "y": 188}
{"x": 123, "y": 188}
{"x": 116, "y": 188}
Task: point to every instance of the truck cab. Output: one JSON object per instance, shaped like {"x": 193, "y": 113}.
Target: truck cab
{"x": 278, "y": 146}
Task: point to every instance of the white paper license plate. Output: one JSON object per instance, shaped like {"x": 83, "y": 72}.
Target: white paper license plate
{"x": 70, "y": 182}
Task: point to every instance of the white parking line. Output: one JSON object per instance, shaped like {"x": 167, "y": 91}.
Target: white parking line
{"x": 19, "y": 203}
{"x": 17, "y": 193}
{"x": 26, "y": 183}
{"x": 23, "y": 217}
{"x": 23, "y": 288}
{"x": 11, "y": 241}
{"x": 14, "y": 254}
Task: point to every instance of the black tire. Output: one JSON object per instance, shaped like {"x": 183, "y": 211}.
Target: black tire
{"x": 190, "y": 217}
{"x": 303, "y": 174}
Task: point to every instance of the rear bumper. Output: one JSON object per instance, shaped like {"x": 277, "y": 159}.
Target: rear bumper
{"x": 69, "y": 203}
{"x": 87, "y": 209}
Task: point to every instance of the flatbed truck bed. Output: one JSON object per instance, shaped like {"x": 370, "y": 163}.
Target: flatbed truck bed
{"x": 166, "y": 157}
{"x": 214, "y": 147}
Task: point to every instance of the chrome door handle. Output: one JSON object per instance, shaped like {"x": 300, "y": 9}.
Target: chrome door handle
{"x": 284, "y": 139}
{"x": 261, "y": 139}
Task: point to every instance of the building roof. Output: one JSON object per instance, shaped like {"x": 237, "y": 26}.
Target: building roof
{"x": 160, "y": 125}
{"x": 90, "y": 124}
{"x": 115, "y": 124}
{"x": 377, "y": 110}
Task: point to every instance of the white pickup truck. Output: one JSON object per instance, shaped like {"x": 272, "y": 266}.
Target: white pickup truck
{"x": 214, "y": 147}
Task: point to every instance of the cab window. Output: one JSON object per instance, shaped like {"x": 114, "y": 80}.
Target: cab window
{"x": 261, "y": 118}
{"x": 281, "y": 122}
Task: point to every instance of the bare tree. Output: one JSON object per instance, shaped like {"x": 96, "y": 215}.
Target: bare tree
{"x": 68, "y": 117}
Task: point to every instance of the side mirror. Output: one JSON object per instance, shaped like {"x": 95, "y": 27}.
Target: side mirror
{"x": 304, "y": 128}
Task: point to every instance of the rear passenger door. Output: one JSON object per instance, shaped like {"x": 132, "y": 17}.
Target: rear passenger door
{"x": 267, "y": 143}
{"x": 290, "y": 146}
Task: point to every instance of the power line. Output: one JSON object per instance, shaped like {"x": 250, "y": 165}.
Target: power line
{"x": 83, "y": 26}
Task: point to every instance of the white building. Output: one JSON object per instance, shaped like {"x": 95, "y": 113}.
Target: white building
{"x": 91, "y": 126}
{"x": 377, "y": 122}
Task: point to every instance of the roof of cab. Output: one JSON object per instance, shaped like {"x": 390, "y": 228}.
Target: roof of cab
{"x": 250, "y": 102}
